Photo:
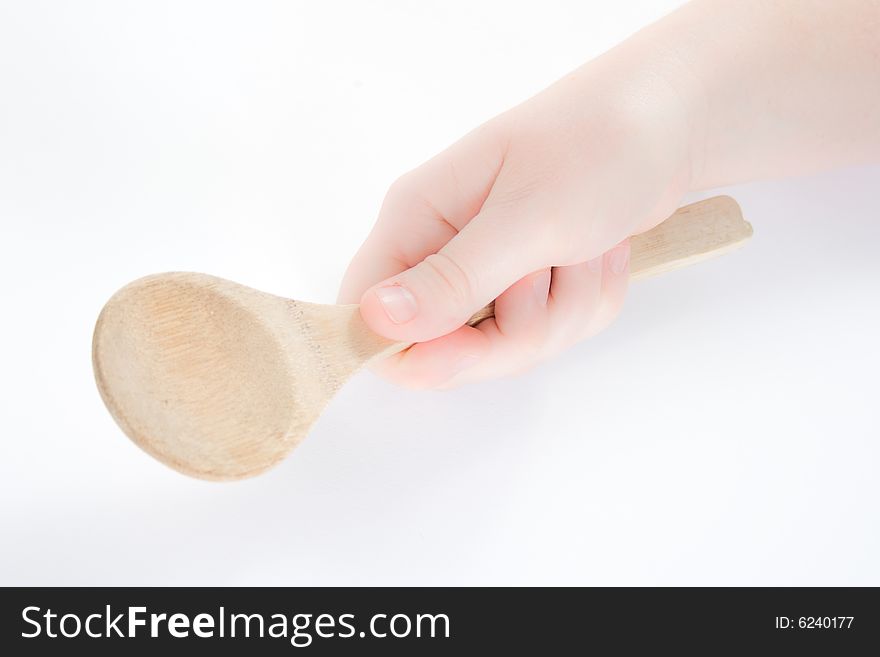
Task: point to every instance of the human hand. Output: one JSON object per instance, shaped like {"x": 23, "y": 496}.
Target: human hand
{"x": 522, "y": 208}
{"x": 531, "y": 209}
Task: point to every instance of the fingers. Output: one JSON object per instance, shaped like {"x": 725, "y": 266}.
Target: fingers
{"x": 440, "y": 293}
{"x": 518, "y": 333}
{"x": 575, "y": 297}
{"x": 431, "y": 364}
{"x": 521, "y": 310}
{"x": 615, "y": 281}
{"x": 529, "y": 325}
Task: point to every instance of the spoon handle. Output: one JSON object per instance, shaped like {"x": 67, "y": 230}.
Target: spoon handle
{"x": 696, "y": 232}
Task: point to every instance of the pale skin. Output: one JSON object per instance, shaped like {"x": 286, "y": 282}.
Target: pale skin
{"x": 534, "y": 207}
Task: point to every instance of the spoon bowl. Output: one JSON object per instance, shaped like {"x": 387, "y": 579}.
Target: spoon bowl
{"x": 218, "y": 380}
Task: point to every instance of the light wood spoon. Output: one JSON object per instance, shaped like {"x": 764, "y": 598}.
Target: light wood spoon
{"x": 220, "y": 381}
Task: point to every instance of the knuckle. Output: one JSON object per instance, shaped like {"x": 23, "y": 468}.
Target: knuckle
{"x": 402, "y": 187}
{"x": 456, "y": 280}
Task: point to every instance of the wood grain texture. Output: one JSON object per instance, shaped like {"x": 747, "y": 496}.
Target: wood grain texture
{"x": 694, "y": 233}
{"x": 220, "y": 381}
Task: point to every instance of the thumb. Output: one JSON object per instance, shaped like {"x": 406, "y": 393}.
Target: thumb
{"x": 441, "y": 293}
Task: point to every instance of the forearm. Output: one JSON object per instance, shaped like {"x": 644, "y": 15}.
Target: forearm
{"x": 770, "y": 88}
{"x": 781, "y": 87}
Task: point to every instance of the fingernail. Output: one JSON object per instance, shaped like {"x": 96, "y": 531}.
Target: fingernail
{"x": 619, "y": 258}
{"x": 398, "y": 302}
{"x": 464, "y": 362}
{"x": 541, "y": 286}
{"x": 595, "y": 265}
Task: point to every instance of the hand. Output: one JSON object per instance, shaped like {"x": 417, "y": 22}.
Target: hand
{"x": 717, "y": 92}
{"x": 531, "y": 209}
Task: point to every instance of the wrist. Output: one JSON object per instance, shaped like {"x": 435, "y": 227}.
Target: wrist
{"x": 659, "y": 93}
{"x": 646, "y": 102}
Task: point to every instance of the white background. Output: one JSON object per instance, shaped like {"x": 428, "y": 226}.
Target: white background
{"x": 723, "y": 431}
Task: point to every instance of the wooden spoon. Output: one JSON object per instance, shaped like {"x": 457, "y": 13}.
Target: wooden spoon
{"x": 220, "y": 381}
